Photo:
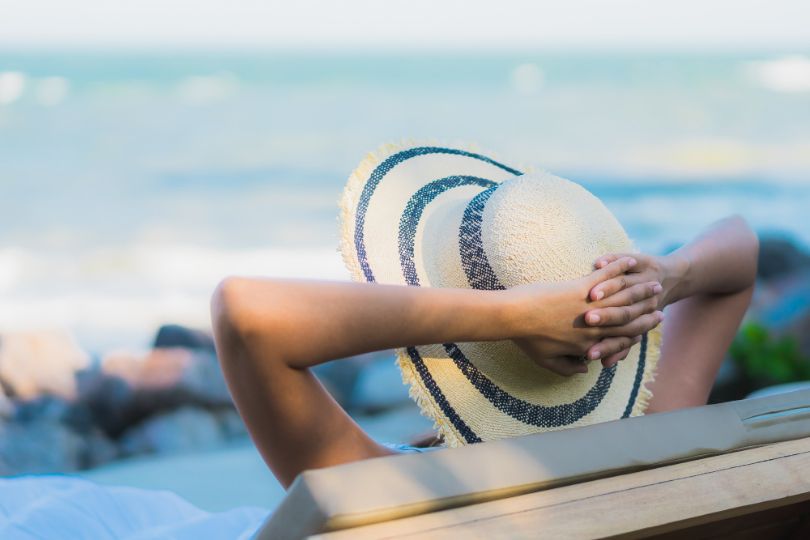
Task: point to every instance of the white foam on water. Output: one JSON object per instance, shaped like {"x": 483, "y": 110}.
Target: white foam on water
{"x": 12, "y": 86}
{"x": 787, "y": 74}
{"x": 119, "y": 297}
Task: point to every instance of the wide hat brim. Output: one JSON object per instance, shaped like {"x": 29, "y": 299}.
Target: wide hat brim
{"x": 406, "y": 217}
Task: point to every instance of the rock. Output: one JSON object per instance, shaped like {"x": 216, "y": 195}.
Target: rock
{"x": 49, "y": 425}
{"x": 154, "y": 370}
{"x": 783, "y": 306}
{"x": 340, "y": 376}
{"x": 173, "y": 335}
{"x": 49, "y": 408}
{"x": 6, "y": 405}
{"x": 33, "y": 364}
{"x": 779, "y": 257}
{"x": 204, "y": 381}
{"x": 45, "y": 446}
{"x": 130, "y": 387}
{"x": 182, "y": 373}
{"x": 231, "y": 423}
{"x": 111, "y": 402}
{"x": 185, "y": 429}
{"x": 379, "y": 387}
{"x": 98, "y": 449}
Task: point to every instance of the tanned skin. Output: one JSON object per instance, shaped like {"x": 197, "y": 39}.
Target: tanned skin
{"x": 269, "y": 332}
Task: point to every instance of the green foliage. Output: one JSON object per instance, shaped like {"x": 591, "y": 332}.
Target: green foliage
{"x": 765, "y": 359}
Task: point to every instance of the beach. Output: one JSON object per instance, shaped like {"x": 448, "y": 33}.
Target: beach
{"x": 132, "y": 183}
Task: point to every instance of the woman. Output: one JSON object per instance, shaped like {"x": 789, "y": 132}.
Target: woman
{"x": 269, "y": 332}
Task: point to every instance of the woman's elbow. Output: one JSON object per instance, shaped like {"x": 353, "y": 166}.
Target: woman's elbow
{"x": 232, "y": 309}
{"x": 748, "y": 245}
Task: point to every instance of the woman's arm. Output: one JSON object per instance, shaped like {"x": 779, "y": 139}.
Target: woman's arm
{"x": 311, "y": 322}
{"x": 269, "y": 331}
{"x": 723, "y": 260}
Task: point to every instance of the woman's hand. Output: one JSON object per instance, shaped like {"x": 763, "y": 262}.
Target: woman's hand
{"x": 552, "y": 327}
{"x": 669, "y": 271}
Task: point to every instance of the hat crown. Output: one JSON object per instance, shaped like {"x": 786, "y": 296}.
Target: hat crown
{"x": 539, "y": 227}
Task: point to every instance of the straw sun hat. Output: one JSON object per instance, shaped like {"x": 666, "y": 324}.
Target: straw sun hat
{"x": 443, "y": 217}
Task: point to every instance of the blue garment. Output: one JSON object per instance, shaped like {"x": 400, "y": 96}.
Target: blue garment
{"x": 408, "y": 449}
{"x": 56, "y": 506}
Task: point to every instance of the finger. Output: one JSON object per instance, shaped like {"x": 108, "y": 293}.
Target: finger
{"x": 611, "y": 361}
{"x": 632, "y": 294}
{"x": 612, "y": 270}
{"x": 565, "y": 366}
{"x": 612, "y": 286}
{"x": 604, "y": 260}
{"x": 620, "y": 316}
{"x": 609, "y": 347}
{"x": 639, "y": 300}
{"x": 638, "y": 327}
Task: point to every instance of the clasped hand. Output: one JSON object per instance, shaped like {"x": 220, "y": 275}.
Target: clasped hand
{"x": 598, "y": 317}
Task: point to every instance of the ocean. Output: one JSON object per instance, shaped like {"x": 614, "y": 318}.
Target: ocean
{"x": 131, "y": 182}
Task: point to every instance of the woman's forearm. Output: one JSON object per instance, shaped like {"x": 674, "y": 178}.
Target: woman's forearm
{"x": 311, "y": 322}
{"x": 723, "y": 260}
{"x": 305, "y": 323}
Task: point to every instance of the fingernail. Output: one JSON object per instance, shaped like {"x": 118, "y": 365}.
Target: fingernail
{"x": 600, "y": 295}
{"x": 632, "y": 263}
{"x": 595, "y": 355}
{"x": 660, "y": 316}
{"x": 657, "y": 289}
{"x": 593, "y": 318}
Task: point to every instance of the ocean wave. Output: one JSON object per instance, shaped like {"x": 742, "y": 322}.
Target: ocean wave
{"x": 786, "y": 74}
{"x": 120, "y": 297}
{"x": 12, "y": 86}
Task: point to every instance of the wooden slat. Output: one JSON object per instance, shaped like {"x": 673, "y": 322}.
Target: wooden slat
{"x": 633, "y": 505}
{"x": 782, "y": 522}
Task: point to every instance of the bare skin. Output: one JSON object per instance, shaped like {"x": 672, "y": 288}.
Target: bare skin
{"x": 269, "y": 332}
{"x": 707, "y": 286}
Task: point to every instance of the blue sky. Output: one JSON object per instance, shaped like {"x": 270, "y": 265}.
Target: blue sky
{"x": 398, "y": 24}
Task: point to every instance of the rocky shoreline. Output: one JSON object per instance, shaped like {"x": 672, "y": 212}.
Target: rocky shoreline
{"x": 62, "y": 410}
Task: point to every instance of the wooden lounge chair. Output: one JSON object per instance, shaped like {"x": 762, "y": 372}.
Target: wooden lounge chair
{"x": 737, "y": 469}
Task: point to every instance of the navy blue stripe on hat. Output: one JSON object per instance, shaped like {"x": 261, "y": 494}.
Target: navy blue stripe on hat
{"x": 432, "y": 387}
{"x": 377, "y": 175}
{"x": 552, "y": 416}
{"x": 413, "y": 213}
{"x": 480, "y": 274}
{"x": 642, "y": 359}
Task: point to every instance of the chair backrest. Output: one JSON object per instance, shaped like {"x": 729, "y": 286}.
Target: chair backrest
{"x": 383, "y": 489}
